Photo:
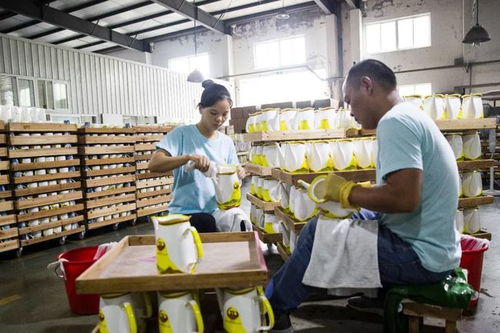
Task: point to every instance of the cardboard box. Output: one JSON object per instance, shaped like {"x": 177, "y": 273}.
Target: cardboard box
{"x": 303, "y": 104}
{"x": 282, "y": 105}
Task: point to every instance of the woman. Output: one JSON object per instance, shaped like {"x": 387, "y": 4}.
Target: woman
{"x": 193, "y": 193}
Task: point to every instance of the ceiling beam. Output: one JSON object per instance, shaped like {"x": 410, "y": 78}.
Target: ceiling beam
{"x": 328, "y": 6}
{"x": 192, "y": 12}
{"x": 56, "y": 17}
{"x": 68, "y": 10}
{"x": 94, "y": 18}
{"x": 353, "y": 4}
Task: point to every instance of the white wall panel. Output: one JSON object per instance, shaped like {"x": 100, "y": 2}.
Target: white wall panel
{"x": 102, "y": 84}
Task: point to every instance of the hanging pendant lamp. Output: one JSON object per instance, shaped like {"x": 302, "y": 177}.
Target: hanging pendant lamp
{"x": 195, "y": 75}
{"x": 477, "y": 34}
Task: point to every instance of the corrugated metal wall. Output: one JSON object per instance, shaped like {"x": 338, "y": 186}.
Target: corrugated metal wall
{"x": 102, "y": 84}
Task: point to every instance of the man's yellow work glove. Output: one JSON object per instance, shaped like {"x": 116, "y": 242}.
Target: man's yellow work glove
{"x": 338, "y": 189}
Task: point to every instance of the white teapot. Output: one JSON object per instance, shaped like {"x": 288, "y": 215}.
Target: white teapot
{"x": 227, "y": 187}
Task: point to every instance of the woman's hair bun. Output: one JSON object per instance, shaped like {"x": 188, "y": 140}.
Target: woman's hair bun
{"x": 207, "y": 83}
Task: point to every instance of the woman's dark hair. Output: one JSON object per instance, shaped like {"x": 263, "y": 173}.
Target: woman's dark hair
{"x": 213, "y": 93}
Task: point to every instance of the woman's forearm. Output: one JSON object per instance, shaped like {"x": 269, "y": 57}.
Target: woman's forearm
{"x": 161, "y": 162}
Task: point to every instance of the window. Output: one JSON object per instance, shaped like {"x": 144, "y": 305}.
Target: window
{"x": 405, "y": 33}
{"x": 26, "y": 92}
{"x": 187, "y": 64}
{"x": 296, "y": 86}
{"x": 423, "y": 89}
{"x": 279, "y": 53}
{"x": 7, "y": 90}
{"x": 52, "y": 95}
{"x": 60, "y": 95}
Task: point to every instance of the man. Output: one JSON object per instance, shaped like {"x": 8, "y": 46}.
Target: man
{"x": 416, "y": 194}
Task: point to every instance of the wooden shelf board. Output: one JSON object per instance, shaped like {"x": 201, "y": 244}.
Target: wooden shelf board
{"x": 3, "y": 139}
{"x": 153, "y": 129}
{"x": 148, "y": 138}
{"x": 153, "y": 201}
{"x": 145, "y": 146}
{"x": 141, "y": 195}
{"x": 6, "y": 205}
{"x": 106, "y": 150}
{"x": 104, "y": 223}
{"x": 291, "y": 222}
{"x": 99, "y": 202}
{"x": 476, "y": 201}
{"x": 91, "y": 214}
{"x": 49, "y": 213}
{"x": 105, "y": 172}
{"x": 53, "y": 236}
{"x": 8, "y": 219}
{"x": 3, "y": 152}
{"x": 299, "y": 135}
{"x": 143, "y": 157}
{"x": 104, "y": 161}
{"x": 45, "y": 165}
{"x": 4, "y": 165}
{"x": 41, "y": 127}
{"x": 93, "y": 195}
{"x": 293, "y": 178}
{"x": 21, "y": 153}
{"x": 154, "y": 182}
{"x": 9, "y": 233}
{"x": 258, "y": 170}
{"x": 16, "y": 140}
{"x": 109, "y": 181}
{"x": 150, "y": 211}
{"x": 9, "y": 245}
{"x": 265, "y": 237}
{"x": 147, "y": 175}
{"x": 49, "y": 200}
{"x": 5, "y": 194}
{"x": 142, "y": 165}
{"x": 282, "y": 251}
{"x": 266, "y": 206}
{"x": 47, "y": 177}
{"x": 476, "y": 164}
{"x": 100, "y": 130}
{"x": 40, "y": 227}
{"x": 4, "y": 179}
{"x": 106, "y": 139}
{"x": 48, "y": 189}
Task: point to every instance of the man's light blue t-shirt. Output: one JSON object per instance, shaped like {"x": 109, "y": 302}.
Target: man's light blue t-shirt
{"x": 192, "y": 191}
{"x": 409, "y": 139}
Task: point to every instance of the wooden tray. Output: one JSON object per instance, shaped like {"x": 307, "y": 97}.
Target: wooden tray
{"x": 476, "y": 164}
{"x": 476, "y": 201}
{"x": 9, "y": 245}
{"x": 49, "y": 200}
{"x": 106, "y": 139}
{"x": 104, "y": 223}
{"x": 143, "y": 157}
{"x": 46, "y": 177}
{"x": 4, "y": 179}
{"x": 76, "y": 219}
{"x": 110, "y": 192}
{"x": 49, "y": 213}
{"x": 266, "y": 206}
{"x": 5, "y": 194}
{"x": 7, "y": 205}
{"x": 104, "y": 150}
{"x": 153, "y": 182}
{"x": 45, "y": 165}
{"x": 53, "y": 236}
{"x": 21, "y": 153}
{"x": 141, "y": 195}
{"x": 293, "y": 178}
{"x": 230, "y": 260}
{"x": 9, "y": 233}
{"x": 91, "y": 214}
{"x": 3, "y": 139}
{"x": 47, "y": 189}
{"x": 145, "y": 146}
{"x": 8, "y": 219}
{"x": 4, "y": 165}
{"x": 105, "y": 172}
{"x": 99, "y": 202}
{"x": 258, "y": 170}
{"x": 117, "y": 130}
{"x": 151, "y": 210}
{"x": 153, "y": 201}
{"x": 299, "y": 135}
{"x": 103, "y": 161}
{"x": 42, "y": 140}
{"x": 265, "y": 237}
{"x": 153, "y": 129}
{"x": 41, "y": 127}
{"x": 148, "y": 138}
{"x": 148, "y": 175}
{"x": 290, "y": 221}
{"x": 109, "y": 181}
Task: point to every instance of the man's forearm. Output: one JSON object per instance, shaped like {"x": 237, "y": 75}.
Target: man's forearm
{"x": 167, "y": 163}
{"x": 381, "y": 198}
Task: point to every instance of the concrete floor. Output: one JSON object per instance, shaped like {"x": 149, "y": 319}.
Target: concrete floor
{"x": 33, "y": 299}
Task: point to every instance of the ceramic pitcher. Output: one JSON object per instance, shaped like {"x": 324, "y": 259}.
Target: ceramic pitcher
{"x": 472, "y": 220}
{"x": 472, "y": 184}
{"x": 459, "y": 221}
{"x": 116, "y": 314}
{"x": 271, "y": 155}
{"x": 227, "y": 187}
{"x": 269, "y": 223}
{"x": 434, "y": 106}
{"x": 253, "y": 185}
{"x": 270, "y": 120}
{"x": 295, "y": 156}
{"x": 285, "y": 233}
{"x": 344, "y": 118}
{"x": 472, "y": 146}
{"x": 284, "y": 195}
{"x": 250, "y": 124}
{"x": 472, "y": 106}
{"x": 260, "y": 187}
{"x": 288, "y": 120}
{"x": 303, "y": 208}
{"x": 363, "y": 152}
{"x": 243, "y": 310}
{"x": 259, "y": 151}
{"x": 324, "y": 118}
{"x": 178, "y": 245}
{"x": 179, "y": 312}
{"x": 305, "y": 119}
{"x": 374, "y": 152}
{"x": 453, "y": 106}
{"x": 318, "y": 156}
{"x": 342, "y": 152}
{"x": 415, "y": 100}
{"x": 271, "y": 190}
{"x": 457, "y": 145}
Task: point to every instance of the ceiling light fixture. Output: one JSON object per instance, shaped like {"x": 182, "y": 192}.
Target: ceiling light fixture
{"x": 195, "y": 75}
{"x": 477, "y": 34}
{"x": 282, "y": 15}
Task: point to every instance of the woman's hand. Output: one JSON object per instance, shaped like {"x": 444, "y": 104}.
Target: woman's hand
{"x": 242, "y": 172}
{"x": 201, "y": 162}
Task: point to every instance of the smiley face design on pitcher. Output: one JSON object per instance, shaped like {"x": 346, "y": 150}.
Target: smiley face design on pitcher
{"x": 232, "y": 313}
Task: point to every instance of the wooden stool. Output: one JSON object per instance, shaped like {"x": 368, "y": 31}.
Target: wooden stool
{"x": 415, "y": 311}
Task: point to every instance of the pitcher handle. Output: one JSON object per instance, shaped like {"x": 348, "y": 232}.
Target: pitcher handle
{"x": 267, "y": 309}
{"x": 129, "y": 311}
{"x": 149, "y": 304}
{"x": 197, "y": 242}
{"x": 197, "y": 314}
